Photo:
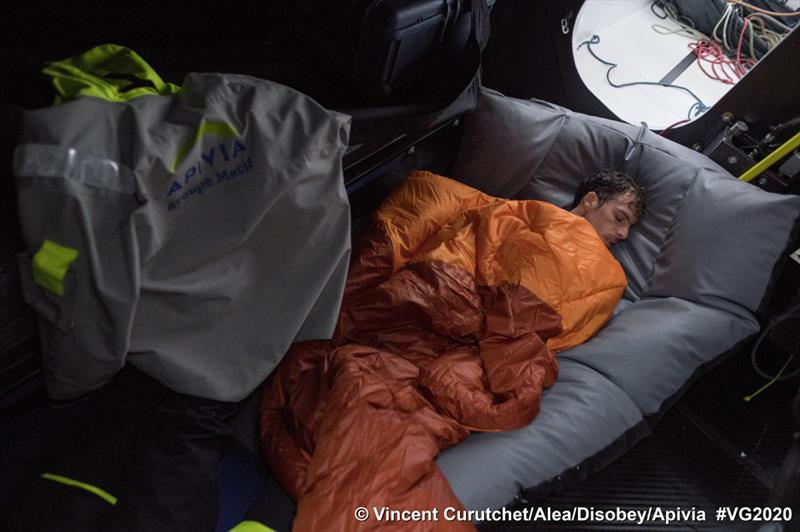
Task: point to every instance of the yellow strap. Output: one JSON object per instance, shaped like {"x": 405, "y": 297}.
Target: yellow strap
{"x": 106, "y": 496}
{"x": 251, "y": 526}
{"x": 50, "y": 265}
{"x": 762, "y": 165}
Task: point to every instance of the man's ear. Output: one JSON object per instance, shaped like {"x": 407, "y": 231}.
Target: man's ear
{"x": 590, "y": 201}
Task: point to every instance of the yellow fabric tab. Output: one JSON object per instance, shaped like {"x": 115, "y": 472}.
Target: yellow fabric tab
{"x": 219, "y": 129}
{"x": 50, "y": 265}
{"x": 251, "y": 526}
{"x": 106, "y": 496}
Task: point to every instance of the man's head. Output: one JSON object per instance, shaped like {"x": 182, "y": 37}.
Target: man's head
{"x": 612, "y": 202}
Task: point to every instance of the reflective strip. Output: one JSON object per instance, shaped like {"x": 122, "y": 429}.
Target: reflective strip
{"x": 50, "y": 264}
{"x": 251, "y": 526}
{"x": 106, "y": 496}
{"x": 47, "y": 160}
{"x": 219, "y": 129}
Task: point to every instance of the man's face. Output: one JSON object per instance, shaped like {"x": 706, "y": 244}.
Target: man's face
{"x": 612, "y": 219}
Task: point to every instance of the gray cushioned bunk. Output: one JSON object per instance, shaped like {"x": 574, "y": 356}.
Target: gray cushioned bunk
{"x": 699, "y": 264}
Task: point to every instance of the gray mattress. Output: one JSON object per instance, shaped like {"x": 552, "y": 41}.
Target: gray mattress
{"x": 699, "y": 265}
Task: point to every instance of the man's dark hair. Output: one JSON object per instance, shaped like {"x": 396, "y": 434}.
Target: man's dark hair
{"x": 608, "y": 184}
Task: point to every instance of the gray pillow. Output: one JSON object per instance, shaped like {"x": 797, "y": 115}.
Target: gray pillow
{"x": 693, "y": 241}
{"x": 724, "y": 243}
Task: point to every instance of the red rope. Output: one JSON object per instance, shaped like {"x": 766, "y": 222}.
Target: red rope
{"x": 673, "y": 125}
{"x": 739, "y": 49}
{"x": 722, "y": 68}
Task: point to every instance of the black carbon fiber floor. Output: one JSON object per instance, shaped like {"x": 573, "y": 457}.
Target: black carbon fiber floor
{"x": 711, "y": 449}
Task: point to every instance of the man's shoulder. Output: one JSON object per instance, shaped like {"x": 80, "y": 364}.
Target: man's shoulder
{"x": 549, "y": 213}
{"x": 576, "y": 233}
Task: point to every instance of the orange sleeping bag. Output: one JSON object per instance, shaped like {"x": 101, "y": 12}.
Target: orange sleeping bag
{"x": 456, "y": 303}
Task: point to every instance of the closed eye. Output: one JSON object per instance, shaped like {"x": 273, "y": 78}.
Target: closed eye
{"x": 623, "y": 217}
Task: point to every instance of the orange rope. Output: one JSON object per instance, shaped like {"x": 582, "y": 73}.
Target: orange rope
{"x": 764, "y": 11}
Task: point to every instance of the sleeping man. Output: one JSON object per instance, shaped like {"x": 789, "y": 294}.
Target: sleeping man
{"x": 455, "y": 307}
{"x": 612, "y": 202}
